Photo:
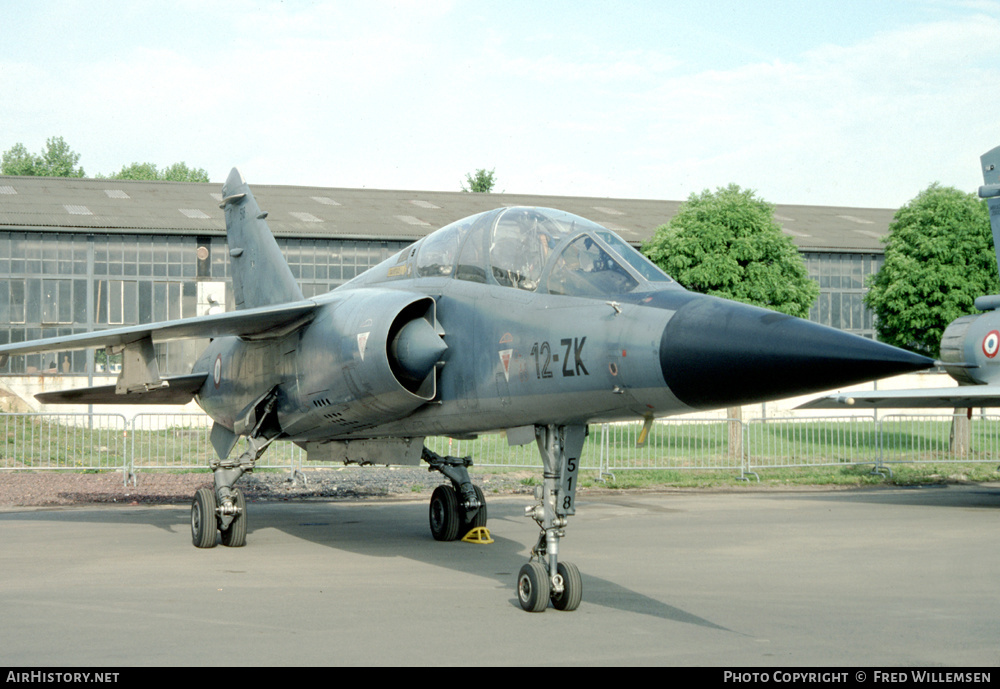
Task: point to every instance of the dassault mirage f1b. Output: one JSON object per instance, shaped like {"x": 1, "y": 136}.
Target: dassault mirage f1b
{"x": 528, "y": 320}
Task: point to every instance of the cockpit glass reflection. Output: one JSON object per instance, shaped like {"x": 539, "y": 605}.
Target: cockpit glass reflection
{"x": 640, "y": 263}
{"x": 522, "y": 241}
{"x": 437, "y": 253}
{"x": 536, "y": 250}
{"x": 585, "y": 269}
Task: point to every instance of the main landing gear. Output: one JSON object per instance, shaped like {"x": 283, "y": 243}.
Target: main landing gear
{"x": 223, "y": 510}
{"x": 544, "y": 578}
{"x": 221, "y": 513}
{"x": 458, "y": 508}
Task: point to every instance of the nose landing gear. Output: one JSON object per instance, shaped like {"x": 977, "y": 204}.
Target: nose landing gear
{"x": 544, "y": 578}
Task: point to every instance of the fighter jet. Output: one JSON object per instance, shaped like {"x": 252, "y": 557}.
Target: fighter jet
{"x": 969, "y": 345}
{"x": 531, "y": 321}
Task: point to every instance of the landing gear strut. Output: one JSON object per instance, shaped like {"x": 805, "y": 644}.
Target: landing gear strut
{"x": 458, "y": 508}
{"x": 224, "y": 509}
{"x": 544, "y": 578}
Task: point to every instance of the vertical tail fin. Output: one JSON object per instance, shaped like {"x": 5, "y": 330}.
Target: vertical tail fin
{"x": 991, "y": 192}
{"x": 261, "y": 276}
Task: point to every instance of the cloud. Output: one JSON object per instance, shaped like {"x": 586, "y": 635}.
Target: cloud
{"x": 849, "y": 125}
{"x": 415, "y": 95}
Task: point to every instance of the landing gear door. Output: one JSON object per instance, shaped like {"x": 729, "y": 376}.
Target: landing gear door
{"x": 573, "y": 439}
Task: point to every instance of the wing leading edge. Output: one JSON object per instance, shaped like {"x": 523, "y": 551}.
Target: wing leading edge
{"x": 250, "y": 323}
{"x": 962, "y": 397}
{"x": 140, "y": 381}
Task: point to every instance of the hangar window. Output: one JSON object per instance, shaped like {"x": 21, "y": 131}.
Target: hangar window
{"x": 116, "y": 302}
{"x": 57, "y": 301}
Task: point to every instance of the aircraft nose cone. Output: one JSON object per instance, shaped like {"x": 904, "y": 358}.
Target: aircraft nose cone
{"x": 417, "y": 348}
{"x": 716, "y": 353}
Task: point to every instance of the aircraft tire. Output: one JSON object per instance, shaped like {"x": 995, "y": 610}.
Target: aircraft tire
{"x": 533, "y": 587}
{"x": 204, "y": 527}
{"x": 572, "y": 593}
{"x": 236, "y": 535}
{"x": 444, "y": 517}
{"x": 480, "y": 517}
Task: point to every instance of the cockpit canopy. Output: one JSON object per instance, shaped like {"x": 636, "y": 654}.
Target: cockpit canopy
{"x": 533, "y": 249}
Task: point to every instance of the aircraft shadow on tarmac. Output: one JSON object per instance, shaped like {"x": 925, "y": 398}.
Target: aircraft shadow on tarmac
{"x": 391, "y": 531}
{"x": 983, "y": 496}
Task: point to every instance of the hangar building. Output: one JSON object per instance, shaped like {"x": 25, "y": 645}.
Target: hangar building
{"x": 86, "y": 254}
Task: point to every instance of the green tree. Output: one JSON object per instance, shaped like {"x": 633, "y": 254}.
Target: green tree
{"x": 178, "y": 172}
{"x": 139, "y": 171}
{"x": 482, "y": 182}
{"x": 939, "y": 257}
{"x": 17, "y": 161}
{"x": 726, "y": 243}
{"x": 57, "y": 159}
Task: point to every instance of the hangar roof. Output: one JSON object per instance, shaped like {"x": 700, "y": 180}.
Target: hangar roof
{"x": 122, "y": 206}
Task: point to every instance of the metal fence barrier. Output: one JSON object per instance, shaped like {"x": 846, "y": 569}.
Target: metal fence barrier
{"x": 183, "y": 441}
{"x": 489, "y": 449}
{"x": 810, "y": 441}
{"x": 917, "y": 438}
{"x": 682, "y": 444}
{"x": 63, "y": 441}
{"x": 150, "y": 442}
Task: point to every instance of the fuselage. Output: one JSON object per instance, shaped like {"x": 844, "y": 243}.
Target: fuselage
{"x": 538, "y": 359}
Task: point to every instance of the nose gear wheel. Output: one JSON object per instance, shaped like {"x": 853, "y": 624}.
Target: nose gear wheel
{"x": 533, "y": 587}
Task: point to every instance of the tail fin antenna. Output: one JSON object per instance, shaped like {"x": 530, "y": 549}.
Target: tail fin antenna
{"x": 261, "y": 276}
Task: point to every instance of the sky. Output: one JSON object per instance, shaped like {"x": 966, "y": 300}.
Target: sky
{"x": 847, "y": 103}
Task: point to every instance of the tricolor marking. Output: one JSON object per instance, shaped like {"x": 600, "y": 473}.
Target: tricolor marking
{"x": 991, "y": 343}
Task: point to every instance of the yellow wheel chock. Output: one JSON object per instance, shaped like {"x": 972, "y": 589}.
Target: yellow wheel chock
{"x": 480, "y": 535}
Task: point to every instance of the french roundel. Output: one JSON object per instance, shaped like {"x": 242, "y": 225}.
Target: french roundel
{"x": 217, "y": 371}
{"x": 991, "y": 343}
